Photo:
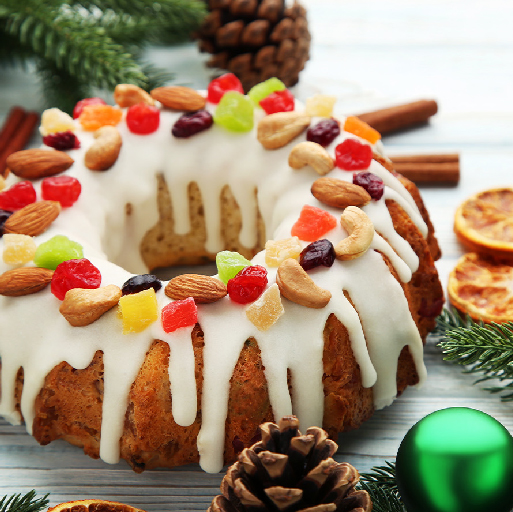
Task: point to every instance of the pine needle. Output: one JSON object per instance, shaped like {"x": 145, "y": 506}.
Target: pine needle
{"x": 384, "y": 476}
{"x": 26, "y": 503}
{"x": 381, "y": 484}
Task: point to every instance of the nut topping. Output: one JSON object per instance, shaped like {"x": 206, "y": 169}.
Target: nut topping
{"x": 203, "y": 289}
{"x": 127, "y": 95}
{"x": 33, "y": 164}
{"x": 179, "y": 98}
{"x": 277, "y": 130}
{"x": 360, "y": 230}
{"x": 313, "y": 154}
{"x": 33, "y": 219}
{"x": 339, "y": 193}
{"x": 24, "y": 281}
{"x": 104, "y": 151}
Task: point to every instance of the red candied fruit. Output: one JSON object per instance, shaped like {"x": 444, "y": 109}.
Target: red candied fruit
{"x": 320, "y": 252}
{"x": 352, "y": 155}
{"x": 180, "y": 313}
{"x": 225, "y": 83}
{"x": 248, "y": 284}
{"x": 278, "y": 101}
{"x": 192, "y": 123}
{"x": 74, "y": 274}
{"x": 371, "y": 183}
{"x": 143, "y": 119}
{"x": 85, "y": 103}
{"x": 64, "y": 189}
{"x": 324, "y": 132}
{"x": 17, "y": 196}
{"x": 313, "y": 222}
{"x": 62, "y": 141}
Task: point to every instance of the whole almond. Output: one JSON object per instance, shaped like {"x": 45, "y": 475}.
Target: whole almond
{"x": 33, "y": 219}
{"x": 127, "y": 95}
{"x": 360, "y": 229}
{"x": 24, "y": 281}
{"x": 313, "y": 154}
{"x": 339, "y": 193}
{"x": 104, "y": 151}
{"x": 203, "y": 289}
{"x": 297, "y": 286}
{"x": 33, "y": 164}
{"x": 179, "y": 98}
{"x": 82, "y": 306}
{"x": 276, "y": 130}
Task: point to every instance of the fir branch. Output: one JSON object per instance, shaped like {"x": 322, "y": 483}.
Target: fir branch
{"x": 384, "y": 476}
{"x": 26, "y": 503}
{"x": 381, "y": 485}
{"x": 485, "y": 349}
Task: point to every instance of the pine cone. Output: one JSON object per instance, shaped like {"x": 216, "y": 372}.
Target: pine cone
{"x": 256, "y": 39}
{"x": 289, "y": 472}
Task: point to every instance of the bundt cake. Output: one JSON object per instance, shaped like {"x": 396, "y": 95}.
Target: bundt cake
{"x": 326, "y": 321}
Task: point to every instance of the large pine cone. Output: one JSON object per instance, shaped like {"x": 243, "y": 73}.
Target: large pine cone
{"x": 289, "y": 472}
{"x": 256, "y": 39}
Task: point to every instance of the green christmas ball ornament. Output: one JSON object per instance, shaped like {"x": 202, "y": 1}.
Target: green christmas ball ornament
{"x": 456, "y": 460}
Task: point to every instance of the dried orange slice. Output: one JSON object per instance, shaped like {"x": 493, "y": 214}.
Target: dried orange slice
{"x": 93, "y": 506}
{"x": 484, "y": 223}
{"x": 482, "y": 288}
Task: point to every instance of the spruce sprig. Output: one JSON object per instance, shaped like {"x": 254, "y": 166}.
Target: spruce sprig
{"x": 384, "y": 476}
{"x": 485, "y": 349}
{"x": 26, "y": 503}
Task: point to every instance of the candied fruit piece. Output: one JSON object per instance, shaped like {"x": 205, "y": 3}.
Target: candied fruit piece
{"x": 141, "y": 282}
{"x": 324, "y": 132}
{"x": 277, "y": 251}
{"x": 18, "y": 249}
{"x": 80, "y": 273}
{"x": 138, "y": 310}
{"x": 352, "y": 155}
{"x": 229, "y": 264}
{"x": 84, "y": 103}
{"x": 65, "y": 189}
{"x": 260, "y": 91}
{"x": 143, "y": 119}
{"x": 180, "y": 313}
{"x": 58, "y": 249}
{"x": 371, "y": 183}
{"x": 96, "y": 116}
{"x": 319, "y": 252}
{"x": 266, "y": 310}
{"x": 278, "y": 101}
{"x": 2, "y": 183}
{"x": 361, "y": 129}
{"x": 62, "y": 141}
{"x": 248, "y": 284}
{"x": 235, "y": 112}
{"x": 219, "y": 86}
{"x": 54, "y": 120}
{"x": 192, "y": 123}
{"x": 4, "y": 215}
{"x": 320, "y": 105}
{"x": 17, "y": 196}
{"x": 313, "y": 222}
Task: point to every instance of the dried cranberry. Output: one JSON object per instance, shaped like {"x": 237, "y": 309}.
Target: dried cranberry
{"x": 352, "y": 155}
{"x": 17, "y": 196}
{"x": 371, "y": 183}
{"x": 324, "y": 132}
{"x": 62, "y": 141}
{"x": 85, "y": 103}
{"x": 248, "y": 284}
{"x": 140, "y": 283}
{"x": 143, "y": 119}
{"x": 278, "y": 101}
{"x": 64, "y": 189}
{"x": 74, "y": 274}
{"x": 4, "y": 215}
{"x": 192, "y": 123}
{"x": 320, "y": 252}
{"x": 225, "y": 83}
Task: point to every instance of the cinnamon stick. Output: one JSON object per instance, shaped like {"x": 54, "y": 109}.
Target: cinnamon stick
{"x": 11, "y": 124}
{"x": 429, "y": 169}
{"x": 400, "y": 117}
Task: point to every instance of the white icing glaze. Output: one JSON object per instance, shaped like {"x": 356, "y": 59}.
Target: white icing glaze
{"x": 379, "y": 324}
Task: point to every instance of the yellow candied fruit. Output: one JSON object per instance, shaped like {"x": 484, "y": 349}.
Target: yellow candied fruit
{"x": 320, "y": 105}
{"x": 18, "y": 249}
{"x": 361, "y": 129}
{"x": 266, "y": 311}
{"x": 96, "y": 116}
{"x": 277, "y": 251}
{"x": 54, "y": 120}
{"x": 138, "y": 310}
{"x": 2, "y": 183}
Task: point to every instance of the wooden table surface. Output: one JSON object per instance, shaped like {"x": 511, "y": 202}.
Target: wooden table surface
{"x": 369, "y": 54}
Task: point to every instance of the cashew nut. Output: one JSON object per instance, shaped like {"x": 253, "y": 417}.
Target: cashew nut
{"x": 104, "y": 152}
{"x": 313, "y": 154}
{"x": 360, "y": 230}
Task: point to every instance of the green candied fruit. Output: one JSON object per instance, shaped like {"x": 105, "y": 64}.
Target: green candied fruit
{"x": 260, "y": 91}
{"x": 235, "y": 112}
{"x": 56, "y": 250}
{"x": 229, "y": 264}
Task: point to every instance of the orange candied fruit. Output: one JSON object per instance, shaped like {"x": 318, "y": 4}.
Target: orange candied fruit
{"x": 96, "y": 116}
{"x": 313, "y": 223}
{"x": 361, "y": 129}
